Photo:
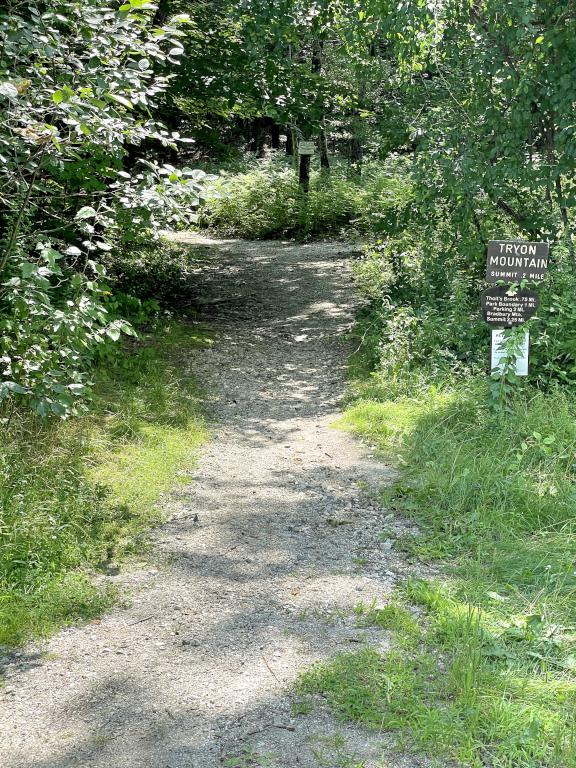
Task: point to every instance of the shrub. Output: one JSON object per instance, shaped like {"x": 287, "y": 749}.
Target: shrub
{"x": 158, "y": 272}
{"x": 424, "y": 285}
{"x": 266, "y": 201}
{"x": 78, "y": 494}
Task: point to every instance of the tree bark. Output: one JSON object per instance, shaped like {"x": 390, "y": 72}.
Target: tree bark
{"x": 304, "y": 173}
{"x": 161, "y": 14}
{"x": 289, "y": 141}
{"x": 317, "y": 54}
{"x": 258, "y": 137}
{"x": 356, "y": 152}
{"x": 324, "y": 159}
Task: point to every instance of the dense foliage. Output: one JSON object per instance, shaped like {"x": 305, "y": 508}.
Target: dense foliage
{"x": 438, "y": 127}
{"x": 78, "y": 84}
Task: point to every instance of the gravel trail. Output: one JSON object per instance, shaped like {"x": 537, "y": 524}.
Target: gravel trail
{"x": 196, "y": 671}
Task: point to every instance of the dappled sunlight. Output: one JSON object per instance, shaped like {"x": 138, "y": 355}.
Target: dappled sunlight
{"x": 264, "y": 556}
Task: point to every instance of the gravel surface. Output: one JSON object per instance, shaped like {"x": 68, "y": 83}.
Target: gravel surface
{"x": 258, "y": 568}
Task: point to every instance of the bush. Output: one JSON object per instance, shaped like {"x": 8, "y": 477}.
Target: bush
{"x": 424, "y": 285}
{"x": 266, "y": 201}
{"x": 50, "y": 334}
{"x": 157, "y": 275}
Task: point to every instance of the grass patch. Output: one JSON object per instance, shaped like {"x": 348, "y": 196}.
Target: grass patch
{"x": 79, "y": 494}
{"x": 490, "y": 677}
{"x": 392, "y": 617}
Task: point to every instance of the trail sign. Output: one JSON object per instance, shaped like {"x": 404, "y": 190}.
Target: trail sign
{"x": 515, "y": 260}
{"x": 497, "y": 352}
{"x": 306, "y": 147}
{"x": 504, "y": 309}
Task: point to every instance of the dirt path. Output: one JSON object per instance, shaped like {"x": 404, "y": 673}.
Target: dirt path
{"x": 198, "y": 670}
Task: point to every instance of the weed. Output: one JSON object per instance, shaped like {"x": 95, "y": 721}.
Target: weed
{"x": 301, "y": 706}
{"x": 393, "y": 617}
{"x": 332, "y": 752}
{"x": 248, "y": 759}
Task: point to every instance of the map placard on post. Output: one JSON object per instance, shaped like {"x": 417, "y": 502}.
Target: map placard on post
{"x": 515, "y": 260}
{"x": 497, "y": 353}
{"x": 504, "y": 309}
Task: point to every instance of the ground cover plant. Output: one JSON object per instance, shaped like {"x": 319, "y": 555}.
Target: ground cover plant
{"x": 79, "y": 495}
{"x": 486, "y": 674}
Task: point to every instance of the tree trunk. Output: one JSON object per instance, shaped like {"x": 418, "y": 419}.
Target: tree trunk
{"x": 258, "y": 138}
{"x": 289, "y": 141}
{"x": 356, "y": 152}
{"x": 317, "y": 54}
{"x": 324, "y": 159}
{"x": 275, "y": 135}
{"x": 161, "y": 14}
{"x": 304, "y": 173}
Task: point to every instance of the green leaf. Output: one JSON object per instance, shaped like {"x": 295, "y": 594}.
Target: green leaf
{"x": 87, "y": 212}
{"x": 28, "y": 269}
{"x": 59, "y": 409}
{"x": 9, "y": 90}
{"x": 120, "y": 100}
{"x": 7, "y": 387}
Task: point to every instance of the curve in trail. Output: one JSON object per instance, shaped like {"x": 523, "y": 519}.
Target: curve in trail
{"x": 197, "y": 671}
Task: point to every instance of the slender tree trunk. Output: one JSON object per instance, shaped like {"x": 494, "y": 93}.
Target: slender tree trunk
{"x": 565, "y": 220}
{"x": 324, "y": 159}
{"x": 550, "y": 134}
{"x": 162, "y": 11}
{"x": 317, "y": 55}
{"x": 258, "y": 137}
{"x": 275, "y": 135}
{"x": 12, "y": 239}
{"x": 289, "y": 141}
{"x": 356, "y": 151}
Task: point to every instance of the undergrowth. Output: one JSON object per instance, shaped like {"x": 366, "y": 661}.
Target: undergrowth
{"x": 78, "y": 495}
{"x": 265, "y": 201}
{"x": 489, "y": 678}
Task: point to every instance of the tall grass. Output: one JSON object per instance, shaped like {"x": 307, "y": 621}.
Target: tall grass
{"x": 471, "y": 474}
{"x": 78, "y": 495}
{"x": 491, "y": 678}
